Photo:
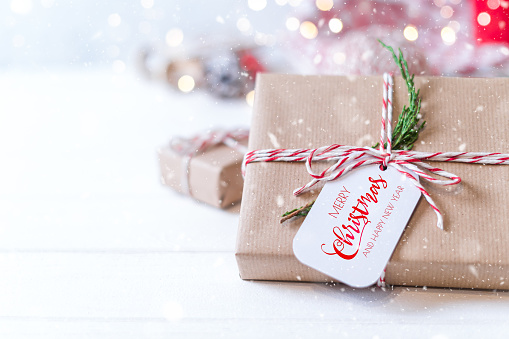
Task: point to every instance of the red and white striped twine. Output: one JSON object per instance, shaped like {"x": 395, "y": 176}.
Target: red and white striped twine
{"x": 190, "y": 147}
{"x": 349, "y": 158}
{"x": 381, "y": 281}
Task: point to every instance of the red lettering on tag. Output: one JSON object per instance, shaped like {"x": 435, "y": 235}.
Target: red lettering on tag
{"x": 346, "y": 244}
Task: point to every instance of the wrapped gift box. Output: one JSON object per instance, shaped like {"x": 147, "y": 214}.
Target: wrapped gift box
{"x": 462, "y": 114}
{"x": 214, "y": 176}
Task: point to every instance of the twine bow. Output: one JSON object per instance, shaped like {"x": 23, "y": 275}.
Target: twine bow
{"x": 190, "y": 147}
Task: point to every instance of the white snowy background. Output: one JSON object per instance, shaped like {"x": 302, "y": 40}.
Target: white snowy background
{"x": 93, "y": 246}
{"x": 39, "y": 34}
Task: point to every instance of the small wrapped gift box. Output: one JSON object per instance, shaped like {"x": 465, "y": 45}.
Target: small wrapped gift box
{"x": 461, "y": 114}
{"x": 206, "y": 167}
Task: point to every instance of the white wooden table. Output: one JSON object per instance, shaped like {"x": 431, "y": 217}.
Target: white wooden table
{"x": 92, "y": 246}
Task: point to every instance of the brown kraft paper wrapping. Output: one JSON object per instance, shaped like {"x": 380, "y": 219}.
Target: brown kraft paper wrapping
{"x": 461, "y": 114}
{"x": 214, "y": 175}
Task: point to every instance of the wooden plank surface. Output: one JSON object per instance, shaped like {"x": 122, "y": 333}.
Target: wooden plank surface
{"x": 172, "y": 293}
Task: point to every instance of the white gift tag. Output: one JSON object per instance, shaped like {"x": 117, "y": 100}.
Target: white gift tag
{"x": 355, "y": 224}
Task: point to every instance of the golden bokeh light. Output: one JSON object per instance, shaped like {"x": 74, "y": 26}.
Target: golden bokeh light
{"x": 324, "y": 5}
{"x": 448, "y": 35}
{"x": 335, "y": 25}
{"x": 410, "y": 33}
{"x": 308, "y": 30}
{"x": 186, "y": 83}
{"x": 250, "y": 98}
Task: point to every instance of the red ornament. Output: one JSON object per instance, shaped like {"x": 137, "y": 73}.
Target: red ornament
{"x": 250, "y": 63}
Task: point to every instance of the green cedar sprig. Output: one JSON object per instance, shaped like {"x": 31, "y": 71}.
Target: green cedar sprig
{"x": 297, "y": 212}
{"x": 404, "y": 134}
{"x": 407, "y": 129}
